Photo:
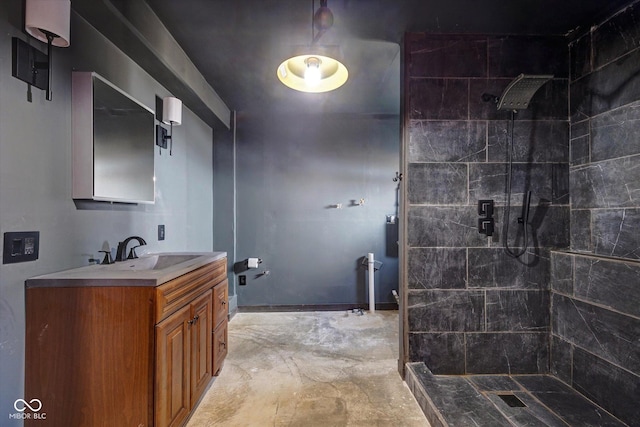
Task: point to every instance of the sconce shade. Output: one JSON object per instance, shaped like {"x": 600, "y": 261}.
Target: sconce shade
{"x": 49, "y": 16}
{"x": 171, "y": 111}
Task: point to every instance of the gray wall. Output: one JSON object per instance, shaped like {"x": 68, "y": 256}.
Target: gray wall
{"x": 596, "y": 292}
{"x": 471, "y": 309}
{"x": 291, "y": 169}
{"x": 35, "y": 181}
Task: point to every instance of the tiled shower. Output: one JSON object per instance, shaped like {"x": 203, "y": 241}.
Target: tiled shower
{"x": 569, "y": 307}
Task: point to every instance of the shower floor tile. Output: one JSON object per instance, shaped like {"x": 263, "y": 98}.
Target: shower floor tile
{"x": 527, "y": 400}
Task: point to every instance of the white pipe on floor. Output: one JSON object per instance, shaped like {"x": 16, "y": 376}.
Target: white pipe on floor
{"x": 372, "y": 295}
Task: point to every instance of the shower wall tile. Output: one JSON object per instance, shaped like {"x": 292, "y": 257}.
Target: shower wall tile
{"x": 605, "y": 333}
{"x": 441, "y": 226}
{"x": 581, "y": 230}
{"x": 615, "y": 389}
{"x": 612, "y": 184}
{"x": 616, "y": 37}
{"x": 561, "y": 359}
{"x": 511, "y": 353}
{"x": 437, "y": 268}
{"x": 548, "y": 182}
{"x": 580, "y": 57}
{"x": 447, "y": 141}
{"x": 616, "y": 133}
{"x": 549, "y": 225}
{"x": 610, "y": 87}
{"x": 445, "y": 311}
{"x": 511, "y": 56}
{"x": 493, "y": 268}
{"x": 437, "y": 183}
{"x": 533, "y": 141}
{"x": 580, "y": 150}
{"x": 614, "y": 284}
{"x": 438, "y": 99}
{"x": 443, "y": 353}
{"x": 520, "y": 311}
{"x": 562, "y": 272}
{"x": 448, "y": 56}
{"x": 615, "y": 232}
{"x": 480, "y": 109}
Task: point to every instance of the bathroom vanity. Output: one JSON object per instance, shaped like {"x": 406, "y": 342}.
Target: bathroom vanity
{"x": 134, "y": 343}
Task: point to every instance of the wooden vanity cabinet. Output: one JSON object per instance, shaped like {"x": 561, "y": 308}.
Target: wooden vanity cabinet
{"x": 136, "y": 356}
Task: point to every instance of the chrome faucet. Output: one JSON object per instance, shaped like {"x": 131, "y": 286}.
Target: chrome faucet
{"x": 122, "y": 248}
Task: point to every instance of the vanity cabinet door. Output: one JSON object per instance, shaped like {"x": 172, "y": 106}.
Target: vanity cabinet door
{"x": 219, "y": 347}
{"x": 220, "y": 297}
{"x": 201, "y": 338}
{"x": 173, "y": 342}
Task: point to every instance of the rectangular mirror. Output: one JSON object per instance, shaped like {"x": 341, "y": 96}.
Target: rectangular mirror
{"x": 113, "y": 143}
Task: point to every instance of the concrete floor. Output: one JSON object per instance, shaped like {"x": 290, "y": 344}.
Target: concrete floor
{"x": 310, "y": 369}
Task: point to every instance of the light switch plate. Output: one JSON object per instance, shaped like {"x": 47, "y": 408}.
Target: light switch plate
{"x": 20, "y": 246}
{"x": 161, "y": 232}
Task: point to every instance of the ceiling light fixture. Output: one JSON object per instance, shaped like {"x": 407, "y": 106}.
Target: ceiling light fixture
{"x": 317, "y": 70}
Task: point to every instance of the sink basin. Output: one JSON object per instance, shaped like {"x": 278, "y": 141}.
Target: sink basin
{"x": 151, "y": 262}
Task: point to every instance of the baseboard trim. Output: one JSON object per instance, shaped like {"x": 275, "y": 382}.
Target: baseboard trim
{"x": 313, "y": 307}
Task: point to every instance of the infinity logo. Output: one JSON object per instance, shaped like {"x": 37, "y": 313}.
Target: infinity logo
{"x": 35, "y": 408}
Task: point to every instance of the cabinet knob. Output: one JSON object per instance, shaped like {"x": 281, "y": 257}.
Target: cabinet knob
{"x": 194, "y": 320}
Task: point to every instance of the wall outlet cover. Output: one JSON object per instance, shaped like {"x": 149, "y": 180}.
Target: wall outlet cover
{"x": 161, "y": 232}
{"x": 20, "y": 246}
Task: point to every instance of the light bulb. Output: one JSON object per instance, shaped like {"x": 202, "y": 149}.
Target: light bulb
{"x": 312, "y": 74}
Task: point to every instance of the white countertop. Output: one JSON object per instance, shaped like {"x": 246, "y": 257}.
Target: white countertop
{"x": 135, "y": 272}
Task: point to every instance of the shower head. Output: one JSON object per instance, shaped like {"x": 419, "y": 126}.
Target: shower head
{"x": 520, "y": 91}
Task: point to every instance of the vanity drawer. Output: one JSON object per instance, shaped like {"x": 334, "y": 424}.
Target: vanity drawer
{"x": 174, "y": 294}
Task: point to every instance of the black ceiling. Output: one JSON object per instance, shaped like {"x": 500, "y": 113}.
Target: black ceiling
{"x": 238, "y": 44}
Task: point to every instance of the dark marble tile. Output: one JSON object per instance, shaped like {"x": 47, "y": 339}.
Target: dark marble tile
{"x": 573, "y": 408}
{"x": 615, "y": 134}
{"x": 507, "y": 353}
{"x": 605, "y": 333}
{"x": 445, "y": 310}
{"x": 610, "y": 87}
{"x": 580, "y": 57}
{"x": 437, "y": 183}
{"x": 496, "y": 383}
{"x": 562, "y": 272}
{"x": 532, "y": 415}
{"x": 413, "y": 372}
{"x": 561, "y": 359}
{"x": 447, "y": 56}
{"x": 437, "y": 226}
{"x": 616, "y": 36}
{"x": 447, "y": 141}
{"x": 580, "y": 150}
{"x": 438, "y": 99}
{"x": 537, "y": 141}
{"x": 615, "y": 232}
{"x": 581, "y": 230}
{"x": 609, "y": 184}
{"x": 456, "y": 400}
{"x": 493, "y": 268}
{"x": 442, "y": 352}
{"x": 547, "y": 181}
{"x": 512, "y": 55}
{"x": 480, "y": 109}
{"x": 519, "y": 311}
{"x": 614, "y": 284}
{"x": 615, "y": 389}
{"x": 579, "y": 129}
{"x": 548, "y": 226}
{"x": 437, "y": 268}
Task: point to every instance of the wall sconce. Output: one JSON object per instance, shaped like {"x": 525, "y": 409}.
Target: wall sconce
{"x": 49, "y": 22}
{"x": 171, "y": 115}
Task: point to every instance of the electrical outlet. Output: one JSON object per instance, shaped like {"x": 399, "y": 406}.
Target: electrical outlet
{"x": 161, "y": 232}
{"x": 242, "y": 280}
{"x": 21, "y": 246}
